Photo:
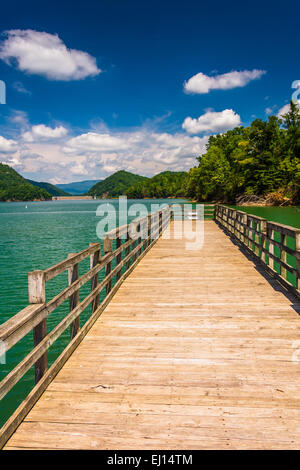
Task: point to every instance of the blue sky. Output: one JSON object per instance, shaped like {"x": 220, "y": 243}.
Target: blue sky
{"x": 97, "y": 86}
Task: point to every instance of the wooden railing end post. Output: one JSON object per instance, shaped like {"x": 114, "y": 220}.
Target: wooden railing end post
{"x": 37, "y": 295}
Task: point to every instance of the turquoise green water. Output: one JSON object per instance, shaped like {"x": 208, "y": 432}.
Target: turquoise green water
{"x": 36, "y": 235}
{"x": 286, "y": 216}
{"x": 283, "y": 215}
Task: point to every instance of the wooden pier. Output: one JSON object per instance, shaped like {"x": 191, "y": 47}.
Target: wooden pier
{"x": 190, "y": 349}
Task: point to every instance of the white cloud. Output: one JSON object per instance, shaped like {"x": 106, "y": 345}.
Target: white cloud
{"x": 19, "y": 119}
{"x": 42, "y": 132}
{"x": 212, "y": 122}
{"x": 137, "y": 148}
{"x": 201, "y": 83}
{"x": 269, "y": 110}
{"x": 44, "y": 153}
{"x": 45, "y": 54}
{"x": 140, "y": 151}
{"x": 8, "y": 145}
{"x": 285, "y": 109}
{"x": 79, "y": 169}
{"x": 18, "y": 86}
{"x": 94, "y": 142}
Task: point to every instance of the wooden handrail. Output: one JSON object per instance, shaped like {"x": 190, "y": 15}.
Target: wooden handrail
{"x": 67, "y": 263}
{"x": 257, "y": 235}
{"x": 23, "y": 322}
{"x": 20, "y": 370}
{"x": 33, "y": 318}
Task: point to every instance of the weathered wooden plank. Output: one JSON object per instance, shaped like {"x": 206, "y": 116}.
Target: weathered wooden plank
{"x": 37, "y": 295}
{"x": 193, "y": 362}
{"x": 74, "y": 299}
{"x": 94, "y": 260}
{"x": 22, "y": 323}
{"x": 255, "y": 234}
{"x": 43, "y": 341}
{"x": 17, "y": 417}
{"x": 67, "y": 263}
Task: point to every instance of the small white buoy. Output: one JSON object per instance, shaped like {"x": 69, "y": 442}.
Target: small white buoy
{"x": 192, "y": 215}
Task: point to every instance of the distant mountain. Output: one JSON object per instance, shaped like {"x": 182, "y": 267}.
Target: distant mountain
{"x": 13, "y": 187}
{"x": 165, "y": 184}
{"x": 116, "y": 184}
{"x": 53, "y": 190}
{"x": 77, "y": 188}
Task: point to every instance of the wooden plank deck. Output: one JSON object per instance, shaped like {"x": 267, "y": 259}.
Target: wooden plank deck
{"x": 193, "y": 352}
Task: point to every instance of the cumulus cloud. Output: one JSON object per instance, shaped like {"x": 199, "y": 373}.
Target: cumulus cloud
{"x": 8, "y": 145}
{"x": 44, "y": 153}
{"x": 42, "y": 132}
{"x": 140, "y": 147}
{"x": 201, "y": 83}
{"x": 19, "y": 119}
{"x": 94, "y": 142}
{"x": 79, "y": 169}
{"x": 41, "y": 53}
{"x": 212, "y": 122}
{"x": 285, "y": 109}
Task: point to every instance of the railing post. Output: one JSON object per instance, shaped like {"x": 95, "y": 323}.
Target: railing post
{"x": 245, "y": 228}
{"x": 37, "y": 295}
{"x": 127, "y": 251}
{"x": 239, "y": 226}
{"x": 226, "y": 217}
{"x": 256, "y": 238}
{"x": 139, "y": 240}
{"x": 134, "y": 243}
{"x": 74, "y": 298}
{"x": 160, "y": 224}
{"x": 149, "y": 230}
{"x": 234, "y": 228}
{"x": 119, "y": 256}
{"x": 271, "y": 233}
{"x": 263, "y": 229}
{"x": 283, "y": 257}
{"x": 107, "y": 248}
{"x": 94, "y": 260}
{"x": 297, "y": 242}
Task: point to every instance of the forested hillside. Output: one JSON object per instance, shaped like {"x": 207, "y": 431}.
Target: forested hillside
{"x": 50, "y": 188}
{"x": 262, "y": 160}
{"x": 165, "y": 184}
{"x": 13, "y": 187}
{"x": 115, "y": 185}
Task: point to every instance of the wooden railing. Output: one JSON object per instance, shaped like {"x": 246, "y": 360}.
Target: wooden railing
{"x": 131, "y": 244}
{"x": 209, "y": 211}
{"x": 181, "y": 211}
{"x": 277, "y": 246}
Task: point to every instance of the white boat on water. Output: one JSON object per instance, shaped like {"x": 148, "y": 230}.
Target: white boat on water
{"x": 192, "y": 215}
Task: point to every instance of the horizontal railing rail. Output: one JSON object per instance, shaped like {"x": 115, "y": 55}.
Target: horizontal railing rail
{"x": 132, "y": 241}
{"x": 276, "y": 245}
{"x": 183, "y": 210}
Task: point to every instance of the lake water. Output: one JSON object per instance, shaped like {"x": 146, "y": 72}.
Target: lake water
{"x": 283, "y": 215}
{"x": 36, "y": 235}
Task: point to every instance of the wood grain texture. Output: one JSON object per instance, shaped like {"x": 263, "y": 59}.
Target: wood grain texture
{"x": 194, "y": 351}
